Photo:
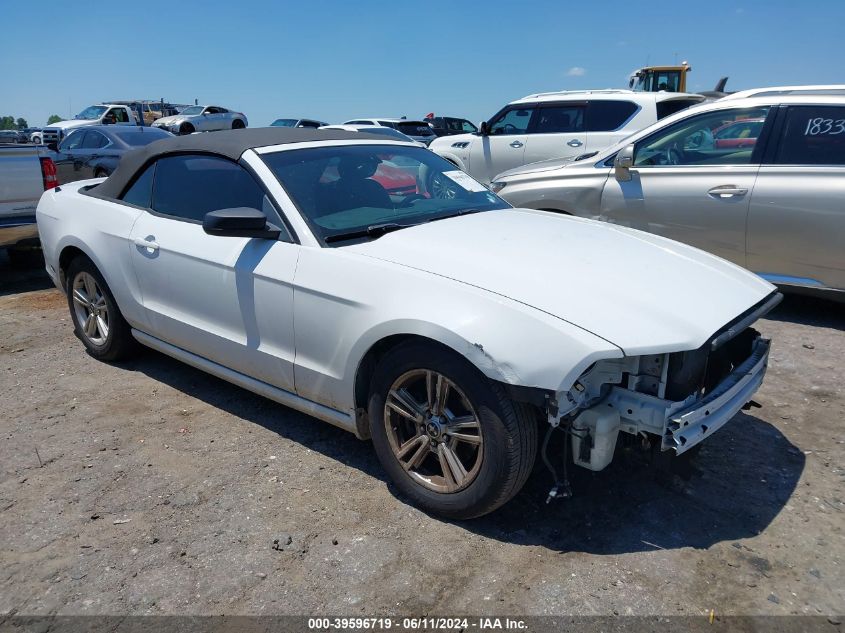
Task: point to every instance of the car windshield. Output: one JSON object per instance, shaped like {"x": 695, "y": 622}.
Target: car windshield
{"x": 351, "y": 193}
{"x": 192, "y": 110}
{"x": 284, "y": 123}
{"x": 414, "y": 128}
{"x": 140, "y": 136}
{"x": 385, "y": 131}
{"x": 90, "y": 113}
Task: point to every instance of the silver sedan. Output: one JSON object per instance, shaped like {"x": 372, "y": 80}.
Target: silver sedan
{"x": 756, "y": 179}
{"x": 200, "y": 118}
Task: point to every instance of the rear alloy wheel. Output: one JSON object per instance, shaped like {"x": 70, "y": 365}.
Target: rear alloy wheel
{"x": 449, "y": 438}
{"x": 96, "y": 318}
{"x": 237, "y": 124}
{"x": 92, "y": 311}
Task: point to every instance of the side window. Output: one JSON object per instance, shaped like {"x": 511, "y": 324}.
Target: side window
{"x": 73, "y": 141}
{"x": 560, "y": 119}
{"x": 141, "y": 191}
{"x": 665, "y": 108}
{"x": 188, "y": 187}
{"x": 468, "y": 127}
{"x": 606, "y": 116}
{"x": 94, "y": 140}
{"x": 813, "y": 135}
{"x": 514, "y": 121}
{"x": 692, "y": 141}
{"x": 118, "y": 115}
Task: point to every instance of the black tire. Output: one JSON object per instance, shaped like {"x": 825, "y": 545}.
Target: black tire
{"x": 237, "y": 124}
{"x": 118, "y": 343}
{"x": 186, "y": 128}
{"x": 509, "y": 433}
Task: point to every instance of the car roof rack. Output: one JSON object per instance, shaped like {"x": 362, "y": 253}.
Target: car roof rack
{"x": 836, "y": 90}
{"x": 578, "y": 92}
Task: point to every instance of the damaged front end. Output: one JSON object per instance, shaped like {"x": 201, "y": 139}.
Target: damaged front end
{"x": 675, "y": 399}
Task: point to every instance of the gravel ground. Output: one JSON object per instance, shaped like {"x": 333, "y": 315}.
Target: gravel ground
{"x": 151, "y": 488}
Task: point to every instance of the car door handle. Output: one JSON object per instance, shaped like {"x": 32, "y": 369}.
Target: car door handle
{"x": 516, "y": 144}
{"x": 727, "y": 191}
{"x": 574, "y": 143}
{"x": 142, "y": 243}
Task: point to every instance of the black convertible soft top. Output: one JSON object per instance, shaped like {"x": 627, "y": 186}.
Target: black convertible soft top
{"x": 227, "y": 143}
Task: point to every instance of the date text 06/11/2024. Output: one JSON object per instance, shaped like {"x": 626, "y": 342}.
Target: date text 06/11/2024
{"x": 416, "y": 624}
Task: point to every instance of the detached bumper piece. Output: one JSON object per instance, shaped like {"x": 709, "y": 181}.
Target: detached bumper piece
{"x": 692, "y": 424}
{"x": 716, "y": 386}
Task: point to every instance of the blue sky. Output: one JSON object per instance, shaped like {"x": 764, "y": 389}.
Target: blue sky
{"x": 340, "y": 60}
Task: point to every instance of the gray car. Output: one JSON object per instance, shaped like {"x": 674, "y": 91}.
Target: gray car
{"x": 199, "y": 118}
{"x": 756, "y": 178}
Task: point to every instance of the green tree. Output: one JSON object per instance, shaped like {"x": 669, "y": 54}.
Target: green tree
{"x": 22, "y": 123}
{"x": 7, "y": 123}
{"x": 54, "y": 118}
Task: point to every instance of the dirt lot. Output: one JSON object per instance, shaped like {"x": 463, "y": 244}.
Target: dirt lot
{"x": 152, "y": 488}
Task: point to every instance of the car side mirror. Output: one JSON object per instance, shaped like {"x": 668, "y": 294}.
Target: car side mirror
{"x": 239, "y": 222}
{"x": 623, "y": 162}
{"x": 483, "y": 129}
{"x": 53, "y": 146}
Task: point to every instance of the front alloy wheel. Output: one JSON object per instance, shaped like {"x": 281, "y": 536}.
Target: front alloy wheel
{"x": 449, "y": 438}
{"x": 433, "y": 430}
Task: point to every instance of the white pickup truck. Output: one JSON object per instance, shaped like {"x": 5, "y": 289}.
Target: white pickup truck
{"x": 92, "y": 115}
{"x": 24, "y": 175}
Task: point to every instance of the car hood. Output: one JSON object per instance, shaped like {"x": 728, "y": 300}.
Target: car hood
{"x": 65, "y": 125}
{"x": 543, "y": 165}
{"x": 641, "y": 292}
{"x": 170, "y": 120}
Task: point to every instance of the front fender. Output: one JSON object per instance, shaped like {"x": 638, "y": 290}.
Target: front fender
{"x": 345, "y": 304}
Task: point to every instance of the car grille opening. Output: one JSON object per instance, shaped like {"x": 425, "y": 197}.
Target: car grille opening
{"x": 701, "y": 370}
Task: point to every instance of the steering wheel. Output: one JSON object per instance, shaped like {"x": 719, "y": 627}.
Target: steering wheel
{"x": 509, "y": 128}
{"x": 673, "y": 156}
{"x": 410, "y": 200}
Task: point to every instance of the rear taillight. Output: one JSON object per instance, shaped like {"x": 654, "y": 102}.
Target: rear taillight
{"x": 48, "y": 174}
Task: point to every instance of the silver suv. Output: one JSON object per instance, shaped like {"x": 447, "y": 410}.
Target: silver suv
{"x": 556, "y": 125}
{"x": 757, "y": 178}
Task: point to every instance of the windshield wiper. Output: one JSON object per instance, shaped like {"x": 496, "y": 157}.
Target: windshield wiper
{"x": 455, "y": 214}
{"x": 374, "y": 230}
{"x": 584, "y": 156}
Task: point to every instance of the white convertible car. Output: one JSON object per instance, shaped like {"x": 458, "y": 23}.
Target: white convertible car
{"x": 317, "y": 269}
